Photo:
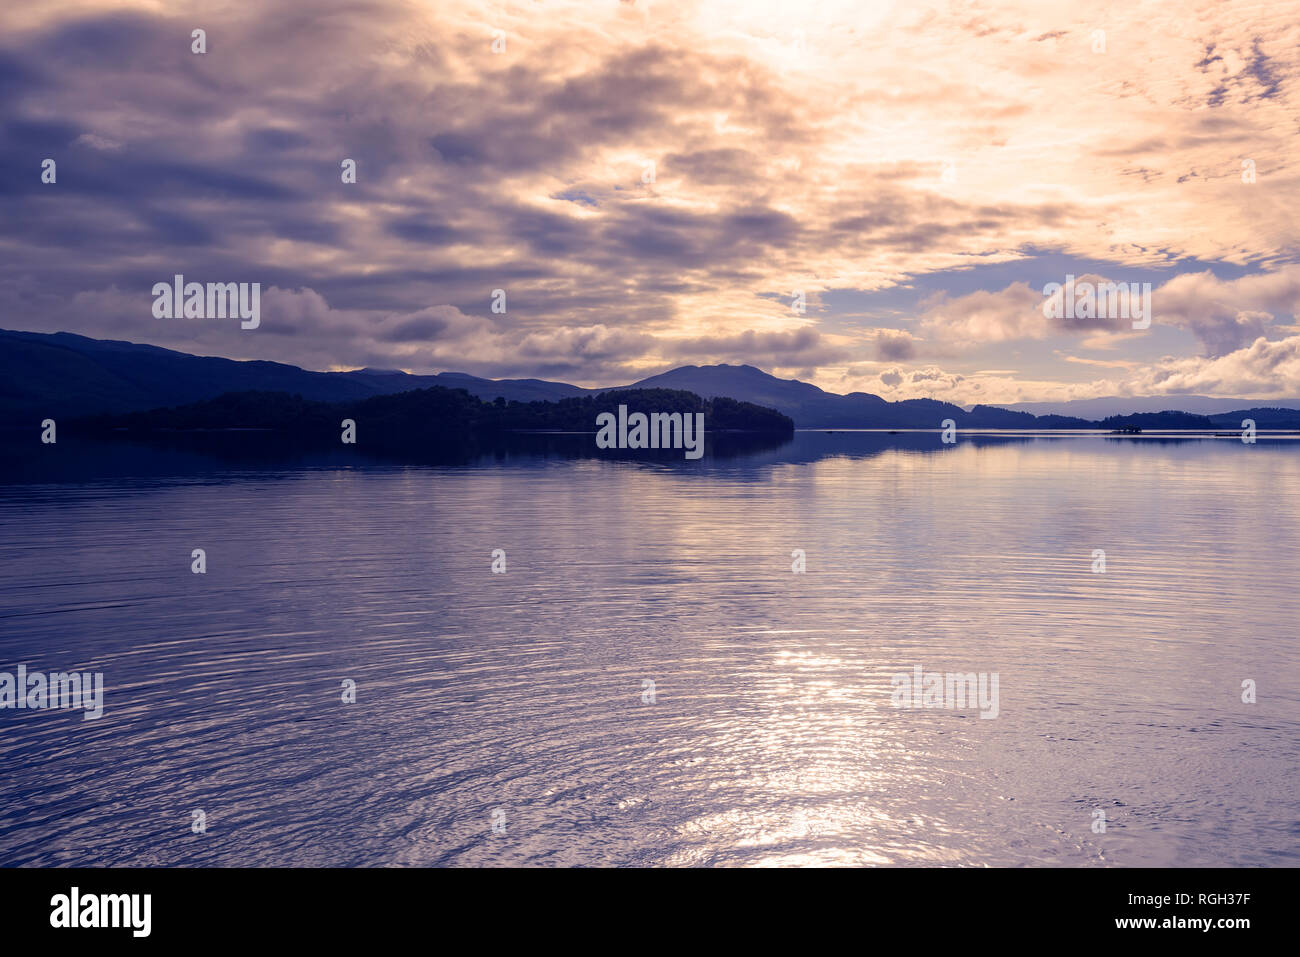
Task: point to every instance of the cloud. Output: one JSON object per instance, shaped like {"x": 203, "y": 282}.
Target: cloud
{"x": 894, "y": 345}
{"x": 804, "y": 347}
{"x": 1262, "y": 368}
{"x": 1015, "y": 312}
{"x": 1222, "y": 314}
{"x": 97, "y": 142}
{"x": 847, "y": 149}
{"x": 1226, "y": 314}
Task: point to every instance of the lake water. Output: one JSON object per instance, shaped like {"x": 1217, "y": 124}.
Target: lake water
{"x": 516, "y": 699}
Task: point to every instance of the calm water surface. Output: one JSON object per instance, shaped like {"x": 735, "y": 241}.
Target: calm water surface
{"x": 772, "y": 739}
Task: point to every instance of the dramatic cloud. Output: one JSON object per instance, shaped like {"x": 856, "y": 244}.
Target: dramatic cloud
{"x": 654, "y": 184}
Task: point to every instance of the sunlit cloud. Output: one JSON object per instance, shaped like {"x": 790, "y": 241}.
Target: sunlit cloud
{"x": 660, "y": 184}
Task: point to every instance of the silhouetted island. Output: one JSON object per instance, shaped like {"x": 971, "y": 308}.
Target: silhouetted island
{"x": 431, "y": 419}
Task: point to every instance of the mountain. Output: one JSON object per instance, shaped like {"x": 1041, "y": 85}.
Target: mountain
{"x": 814, "y": 408}
{"x": 62, "y": 374}
{"x": 1128, "y": 405}
{"x": 1269, "y": 418}
{"x": 753, "y": 384}
{"x": 512, "y": 390}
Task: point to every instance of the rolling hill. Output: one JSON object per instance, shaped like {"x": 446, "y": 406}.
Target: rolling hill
{"x": 61, "y": 374}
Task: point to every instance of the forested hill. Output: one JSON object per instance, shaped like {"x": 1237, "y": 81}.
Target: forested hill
{"x": 433, "y": 415}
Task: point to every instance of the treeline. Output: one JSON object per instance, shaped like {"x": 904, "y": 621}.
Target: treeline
{"x": 579, "y": 414}
{"x": 1264, "y": 418}
{"x": 436, "y": 415}
{"x": 454, "y": 417}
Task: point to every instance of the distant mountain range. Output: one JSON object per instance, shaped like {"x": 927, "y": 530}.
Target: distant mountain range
{"x": 61, "y": 374}
{"x": 65, "y": 374}
{"x": 1127, "y": 405}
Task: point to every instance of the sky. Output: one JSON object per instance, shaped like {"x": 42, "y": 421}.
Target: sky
{"x": 655, "y": 184}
